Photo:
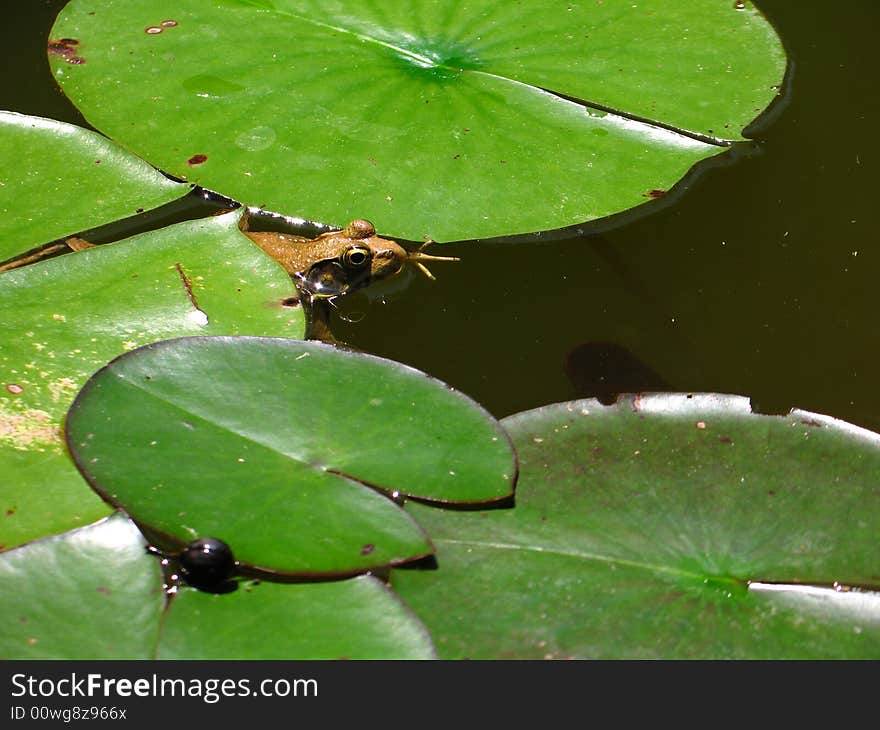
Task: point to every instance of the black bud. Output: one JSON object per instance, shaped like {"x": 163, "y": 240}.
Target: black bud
{"x": 207, "y": 562}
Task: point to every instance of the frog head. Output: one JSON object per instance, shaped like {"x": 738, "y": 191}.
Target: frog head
{"x": 355, "y": 257}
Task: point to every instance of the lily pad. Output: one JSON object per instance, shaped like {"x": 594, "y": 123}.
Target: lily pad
{"x": 58, "y": 179}
{"x": 92, "y": 593}
{"x": 62, "y": 319}
{"x": 446, "y": 120}
{"x": 665, "y": 526}
{"x": 268, "y": 444}
{"x": 351, "y": 619}
{"x": 95, "y": 593}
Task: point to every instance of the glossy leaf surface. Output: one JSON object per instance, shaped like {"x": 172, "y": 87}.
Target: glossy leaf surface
{"x": 62, "y": 319}
{"x": 351, "y": 619}
{"x": 445, "y": 119}
{"x": 262, "y": 443}
{"x": 57, "y": 179}
{"x": 93, "y": 593}
{"x": 665, "y": 526}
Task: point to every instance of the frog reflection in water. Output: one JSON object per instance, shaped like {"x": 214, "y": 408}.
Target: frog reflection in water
{"x": 337, "y": 263}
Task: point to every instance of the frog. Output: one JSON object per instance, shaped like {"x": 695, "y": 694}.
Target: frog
{"x": 337, "y": 263}
{"x": 341, "y": 261}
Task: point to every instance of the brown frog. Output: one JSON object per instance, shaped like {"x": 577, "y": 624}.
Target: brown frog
{"x": 338, "y": 262}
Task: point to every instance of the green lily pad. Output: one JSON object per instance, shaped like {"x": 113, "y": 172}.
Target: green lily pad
{"x": 62, "y": 319}
{"x": 357, "y": 618}
{"x": 58, "y": 179}
{"x": 267, "y": 444}
{"x": 448, "y": 120}
{"x": 95, "y": 593}
{"x": 92, "y": 593}
{"x": 665, "y": 526}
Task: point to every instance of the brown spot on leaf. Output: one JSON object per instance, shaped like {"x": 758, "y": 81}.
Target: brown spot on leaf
{"x": 811, "y": 422}
{"x": 169, "y": 23}
{"x": 104, "y": 591}
{"x": 368, "y": 548}
{"x": 14, "y": 388}
{"x": 66, "y": 48}
{"x": 655, "y": 193}
{"x": 57, "y": 48}
{"x": 10, "y": 512}
{"x": 725, "y": 440}
{"x": 197, "y": 159}
{"x": 290, "y": 302}
{"x": 152, "y": 29}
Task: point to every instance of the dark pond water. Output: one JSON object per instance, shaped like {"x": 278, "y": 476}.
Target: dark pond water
{"x": 757, "y": 277}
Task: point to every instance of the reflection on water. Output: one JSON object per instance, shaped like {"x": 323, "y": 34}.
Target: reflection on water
{"x": 603, "y": 370}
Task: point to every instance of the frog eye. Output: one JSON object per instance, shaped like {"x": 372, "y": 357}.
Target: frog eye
{"x": 355, "y": 257}
{"x": 324, "y": 280}
{"x": 207, "y": 562}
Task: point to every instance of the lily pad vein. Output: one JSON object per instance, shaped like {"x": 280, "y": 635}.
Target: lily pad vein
{"x": 425, "y": 61}
{"x": 570, "y": 554}
{"x": 252, "y": 438}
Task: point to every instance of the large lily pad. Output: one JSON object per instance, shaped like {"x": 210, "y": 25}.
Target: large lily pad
{"x": 351, "y": 619}
{"x": 665, "y": 526}
{"x": 62, "y": 319}
{"x": 92, "y": 593}
{"x": 58, "y": 179}
{"x": 263, "y": 443}
{"x": 432, "y": 119}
